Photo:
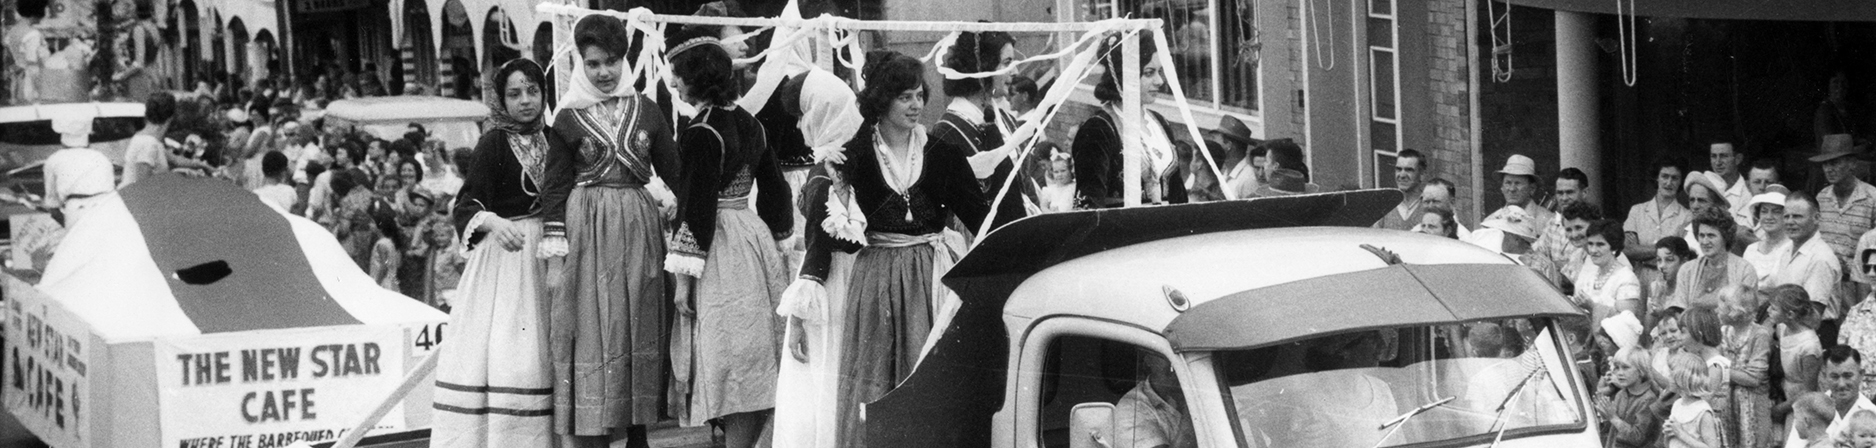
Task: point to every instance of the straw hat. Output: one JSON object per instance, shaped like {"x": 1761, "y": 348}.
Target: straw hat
{"x": 1513, "y": 220}
{"x": 1519, "y": 165}
{"x": 1836, "y": 145}
{"x": 1708, "y": 179}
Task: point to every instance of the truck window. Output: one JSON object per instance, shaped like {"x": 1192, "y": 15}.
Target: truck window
{"x": 1149, "y": 404}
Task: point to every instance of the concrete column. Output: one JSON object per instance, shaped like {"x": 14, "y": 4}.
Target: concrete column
{"x": 1579, "y": 139}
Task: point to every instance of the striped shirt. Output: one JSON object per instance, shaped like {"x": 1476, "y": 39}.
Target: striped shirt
{"x": 1841, "y": 222}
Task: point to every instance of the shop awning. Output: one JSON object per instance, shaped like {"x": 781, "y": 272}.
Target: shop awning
{"x": 1801, "y": 10}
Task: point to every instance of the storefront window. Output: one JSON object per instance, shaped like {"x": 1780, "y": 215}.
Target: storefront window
{"x": 1215, "y": 45}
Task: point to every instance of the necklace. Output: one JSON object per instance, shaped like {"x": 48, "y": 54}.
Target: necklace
{"x": 899, "y": 168}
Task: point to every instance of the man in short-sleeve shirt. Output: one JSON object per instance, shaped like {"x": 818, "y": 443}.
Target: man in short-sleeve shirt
{"x": 146, "y": 155}
{"x": 1846, "y": 209}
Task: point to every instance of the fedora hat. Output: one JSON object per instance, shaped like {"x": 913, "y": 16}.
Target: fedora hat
{"x": 1836, "y": 145}
{"x": 1519, "y": 165}
{"x": 1232, "y": 129}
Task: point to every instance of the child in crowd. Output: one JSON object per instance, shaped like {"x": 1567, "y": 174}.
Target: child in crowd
{"x": 1059, "y": 194}
{"x": 413, "y": 273}
{"x": 1692, "y": 422}
{"x": 1666, "y": 336}
{"x": 1748, "y": 347}
{"x": 386, "y": 256}
{"x": 1811, "y": 414}
{"x": 1670, "y": 253}
{"x": 1794, "y": 318}
{"x": 1860, "y": 431}
{"x": 1625, "y": 397}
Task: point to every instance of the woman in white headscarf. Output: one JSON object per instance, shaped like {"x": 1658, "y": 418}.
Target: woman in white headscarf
{"x": 608, "y": 315}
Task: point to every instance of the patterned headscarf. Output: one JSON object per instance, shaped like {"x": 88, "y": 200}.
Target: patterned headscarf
{"x": 494, "y": 93}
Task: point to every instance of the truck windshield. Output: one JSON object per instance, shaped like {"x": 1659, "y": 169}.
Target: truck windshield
{"x": 1391, "y": 387}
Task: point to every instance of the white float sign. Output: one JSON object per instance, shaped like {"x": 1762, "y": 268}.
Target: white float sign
{"x": 47, "y": 374}
{"x": 272, "y": 388}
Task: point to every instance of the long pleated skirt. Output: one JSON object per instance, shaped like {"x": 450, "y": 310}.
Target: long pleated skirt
{"x": 494, "y": 384}
{"x": 890, "y": 312}
{"x": 738, "y": 337}
{"x": 608, "y": 319}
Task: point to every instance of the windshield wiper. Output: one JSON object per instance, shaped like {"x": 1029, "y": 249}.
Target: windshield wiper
{"x": 1401, "y": 421}
{"x": 1504, "y": 406}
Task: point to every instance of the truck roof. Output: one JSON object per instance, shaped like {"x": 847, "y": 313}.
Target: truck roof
{"x": 1130, "y": 284}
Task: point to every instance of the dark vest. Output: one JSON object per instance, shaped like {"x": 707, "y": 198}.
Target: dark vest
{"x": 781, "y": 117}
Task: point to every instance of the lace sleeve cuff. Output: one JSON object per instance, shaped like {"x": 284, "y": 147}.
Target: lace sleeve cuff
{"x": 682, "y": 255}
{"x": 474, "y": 227}
{"x": 804, "y": 299}
{"x": 551, "y": 246}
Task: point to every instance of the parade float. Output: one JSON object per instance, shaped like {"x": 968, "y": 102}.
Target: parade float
{"x": 187, "y": 313}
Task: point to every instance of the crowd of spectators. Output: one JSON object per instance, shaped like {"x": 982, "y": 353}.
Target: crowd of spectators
{"x": 385, "y": 200}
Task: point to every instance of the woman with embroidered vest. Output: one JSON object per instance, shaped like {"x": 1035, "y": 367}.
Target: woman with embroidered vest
{"x": 608, "y": 318}
{"x": 907, "y": 186}
{"x": 969, "y": 121}
{"x": 726, "y": 250}
{"x": 1097, "y": 146}
{"x": 494, "y": 385}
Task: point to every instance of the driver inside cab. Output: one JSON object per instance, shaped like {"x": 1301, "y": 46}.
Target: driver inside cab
{"x": 1153, "y": 414}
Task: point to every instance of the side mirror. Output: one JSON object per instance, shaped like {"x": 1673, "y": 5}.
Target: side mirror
{"x": 1091, "y": 425}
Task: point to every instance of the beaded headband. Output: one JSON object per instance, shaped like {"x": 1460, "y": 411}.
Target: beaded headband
{"x": 692, "y": 44}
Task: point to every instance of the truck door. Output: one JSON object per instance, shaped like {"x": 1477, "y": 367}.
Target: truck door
{"x": 1081, "y": 381}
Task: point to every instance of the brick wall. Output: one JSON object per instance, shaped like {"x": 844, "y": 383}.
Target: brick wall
{"x": 1294, "y": 33}
{"x": 1519, "y": 116}
{"x": 1449, "y": 86}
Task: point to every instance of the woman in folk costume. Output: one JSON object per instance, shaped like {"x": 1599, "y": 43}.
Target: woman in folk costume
{"x": 969, "y": 123}
{"x": 809, "y": 380}
{"x": 608, "y": 314}
{"x": 807, "y": 111}
{"x": 494, "y": 385}
{"x": 727, "y": 251}
{"x": 907, "y": 186}
{"x": 1097, "y": 146}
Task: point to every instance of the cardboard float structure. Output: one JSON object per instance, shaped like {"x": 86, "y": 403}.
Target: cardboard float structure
{"x": 185, "y": 312}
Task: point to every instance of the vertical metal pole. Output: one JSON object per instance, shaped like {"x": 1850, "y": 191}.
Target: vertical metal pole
{"x": 1130, "y": 118}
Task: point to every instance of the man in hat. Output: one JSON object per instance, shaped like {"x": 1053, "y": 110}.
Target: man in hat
{"x": 1847, "y": 209}
{"x": 1243, "y": 170}
{"x": 1285, "y": 171}
{"x": 1409, "y": 167}
{"x": 77, "y": 177}
{"x": 1724, "y": 159}
{"x": 1518, "y": 181}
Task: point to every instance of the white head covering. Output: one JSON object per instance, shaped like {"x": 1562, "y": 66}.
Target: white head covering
{"x": 782, "y": 63}
{"x": 582, "y": 93}
{"x": 1624, "y": 329}
{"x": 77, "y": 172}
{"x": 74, "y": 131}
{"x": 830, "y": 114}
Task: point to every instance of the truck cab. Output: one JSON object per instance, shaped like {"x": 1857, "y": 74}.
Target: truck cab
{"x": 1272, "y": 322}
